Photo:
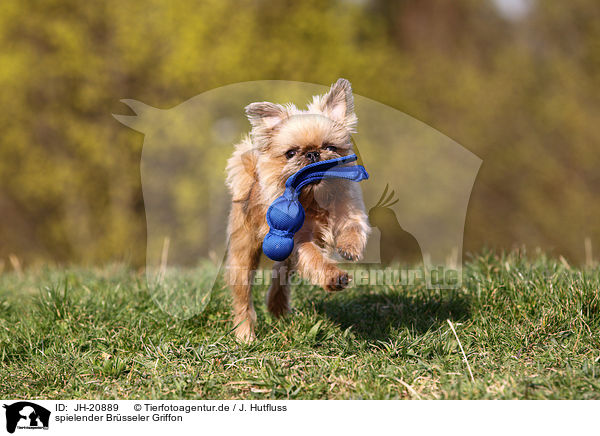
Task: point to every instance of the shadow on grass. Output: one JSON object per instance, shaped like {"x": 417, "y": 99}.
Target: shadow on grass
{"x": 377, "y": 316}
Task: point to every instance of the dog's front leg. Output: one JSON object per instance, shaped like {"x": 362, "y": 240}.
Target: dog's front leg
{"x": 350, "y": 224}
{"x": 242, "y": 260}
{"x": 313, "y": 263}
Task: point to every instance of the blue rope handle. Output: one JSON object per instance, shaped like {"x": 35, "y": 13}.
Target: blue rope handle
{"x": 324, "y": 165}
{"x": 355, "y": 173}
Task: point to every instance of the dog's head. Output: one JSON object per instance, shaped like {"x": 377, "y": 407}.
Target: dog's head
{"x": 287, "y": 138}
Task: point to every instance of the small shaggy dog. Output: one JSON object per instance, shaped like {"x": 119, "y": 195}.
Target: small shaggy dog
{"x": 283, "y": 140}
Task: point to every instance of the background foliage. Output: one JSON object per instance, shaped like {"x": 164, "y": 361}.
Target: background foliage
{"x": 519, "y": 89}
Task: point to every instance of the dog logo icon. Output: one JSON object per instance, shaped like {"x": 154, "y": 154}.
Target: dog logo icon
{"x": 26, "y": 415}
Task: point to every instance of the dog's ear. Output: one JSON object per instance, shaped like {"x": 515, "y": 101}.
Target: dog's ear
{"x": 265, "y": 115}
{"x": 337, "y": 104}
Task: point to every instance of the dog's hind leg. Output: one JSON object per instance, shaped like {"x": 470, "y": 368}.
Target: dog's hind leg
{"x": 278, "y": 297}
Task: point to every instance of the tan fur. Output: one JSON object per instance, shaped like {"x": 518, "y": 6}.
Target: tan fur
{"x": 256, "y": 175}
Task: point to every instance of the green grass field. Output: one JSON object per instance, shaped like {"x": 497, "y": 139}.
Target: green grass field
{"x": 530, "y": 328}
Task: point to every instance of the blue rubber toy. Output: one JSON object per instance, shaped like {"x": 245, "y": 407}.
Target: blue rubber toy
{"x": 285, "y": 216}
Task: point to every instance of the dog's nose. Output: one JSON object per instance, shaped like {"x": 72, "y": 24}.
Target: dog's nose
{"x": 313, "y": 156}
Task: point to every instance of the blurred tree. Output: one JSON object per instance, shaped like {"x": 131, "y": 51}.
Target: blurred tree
{"x": 521, "y": 92}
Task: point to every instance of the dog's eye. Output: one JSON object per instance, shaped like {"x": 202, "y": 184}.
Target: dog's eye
{"x": 290, "y": 154}
{"x": 331, "y": 148}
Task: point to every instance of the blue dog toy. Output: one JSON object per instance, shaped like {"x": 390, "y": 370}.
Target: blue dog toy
{"x": 285, "y": 216}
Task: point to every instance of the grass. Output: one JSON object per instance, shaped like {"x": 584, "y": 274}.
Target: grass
{"x": 529, "y": 327}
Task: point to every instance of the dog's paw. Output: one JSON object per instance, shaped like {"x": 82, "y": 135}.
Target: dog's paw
{"x": 245, "y": 336}
{"x": 350, "y": 245}
{"x": 337, "y": 281}
{"x": 349, "y": 254}
{"x": 279, "y": 309}
{"x": 244, "y": 332}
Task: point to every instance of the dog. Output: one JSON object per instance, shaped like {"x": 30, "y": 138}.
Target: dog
{"x": 284, "y": 139}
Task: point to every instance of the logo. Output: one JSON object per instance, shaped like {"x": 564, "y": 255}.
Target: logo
{"x": 26, "y": 415}
{"x": 416, "y": 196}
